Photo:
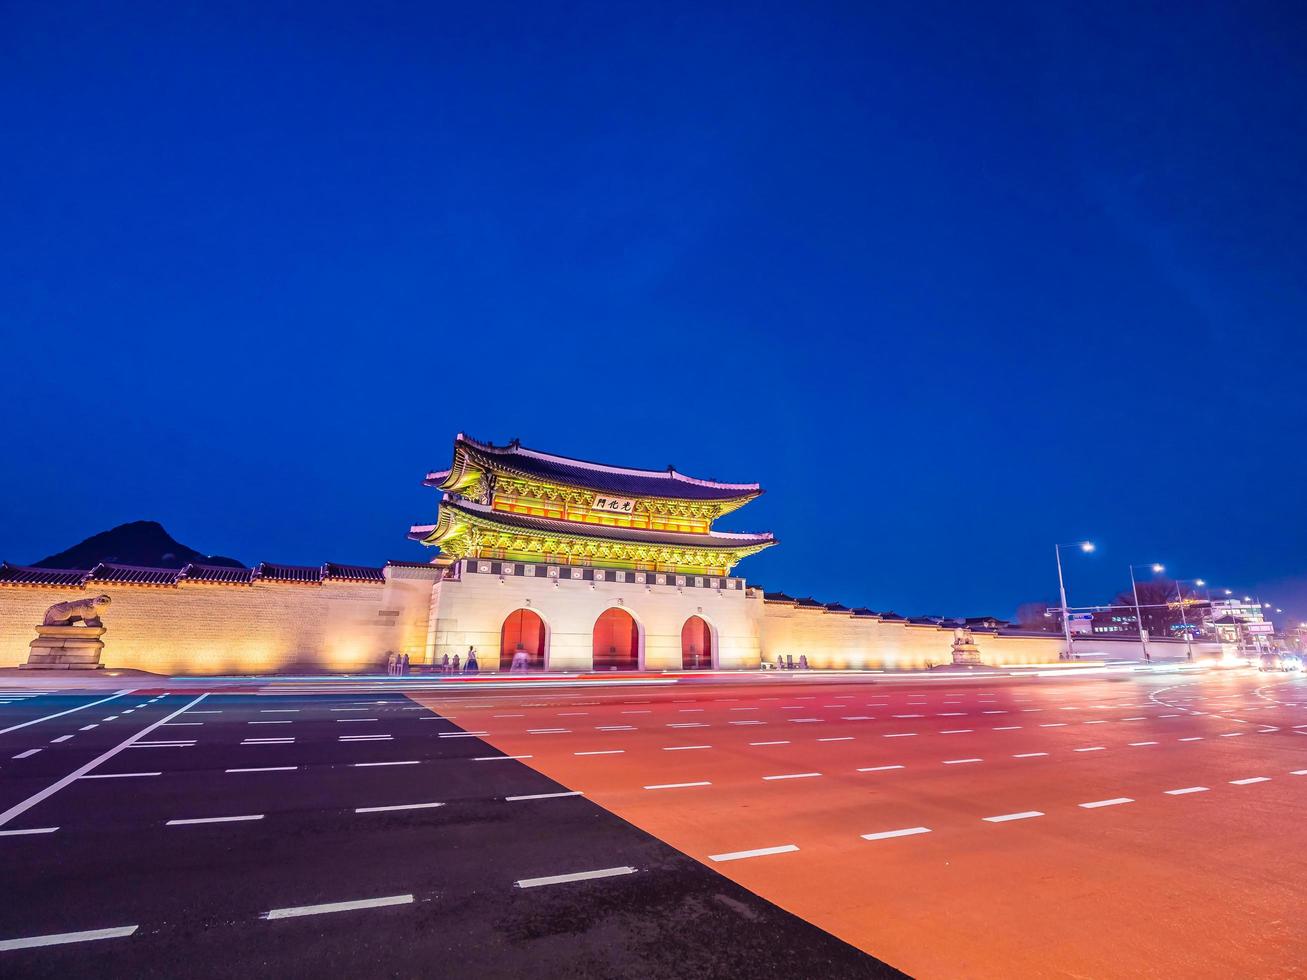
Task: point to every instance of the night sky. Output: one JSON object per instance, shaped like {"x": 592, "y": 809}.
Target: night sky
{"x": 953, "y": 284}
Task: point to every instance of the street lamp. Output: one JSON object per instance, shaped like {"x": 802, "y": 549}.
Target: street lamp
{"x": 1086, "y": 547}
{"x": 1139, "y": 618}
{"x": 1184, "y": 620}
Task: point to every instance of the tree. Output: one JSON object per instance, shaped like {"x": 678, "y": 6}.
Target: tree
{"x": 1160, "y": 606}
{"x": 1036, "y": 617}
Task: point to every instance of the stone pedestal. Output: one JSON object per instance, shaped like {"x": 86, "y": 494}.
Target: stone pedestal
{"x": 965, "y": 652}
{"x": 65, "y": 648}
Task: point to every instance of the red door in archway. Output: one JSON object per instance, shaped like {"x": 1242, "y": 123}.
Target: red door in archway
{"x": 616, "y": 641}
{"x": 524, "y": 632}
{"x": 696, "y": 645}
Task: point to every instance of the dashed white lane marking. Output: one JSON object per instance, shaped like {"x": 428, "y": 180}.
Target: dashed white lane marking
{"x": 858, "y": 718}
{"x": 879, "y": 768}
{"x": 197, "y": 724}
{"x": 677, "y": 785}
{"x": 1250, "y": 780}
{"x": 265, "y": 769}
{"x": 1053, "y": 724}
{"x": 1142, "y": 743}
{"x": 1100, "y": 721}
{"x": 1115, "y": 801}
{"x": 684, "y": 748}
{"x": 1007, "y": 728}
{"x": 1230, "y": 734}
{"x": 28, "y": 831}
{"x": 905, "y": 832}
{"x": 542, "y": 796}
{"x": 568, "y": 714}
{"x": 61, "y": 738}
{"x": 339, "y": 721}
{"x": 548, "y": 731}
{"x": 1091, "y": 748}
{"x": 206, "y": 711}
{"x": 602, "y": 752}
{"x": 793, "y": 775}
{"x": 1186, "y": 790}
{"x": 909, "y": 716}
{"x": 267, "y": 741}
{"x": 960, "y": 762}
{"x": 364, "y": 903}
{"x": 687, "y": 724}
{"x": 87, "y": 728}
{"x": 952, "y": 714}
{"x": 837, "y": 738}
{"x": 500, "y": 758}
{"x": 1191, "y": 738}
{"x": 60, "y": 714}
{"x": 746, "y": 723}
{"x": 756, "y": 852}
{"x": 194, "y": 820}
{"x": 1005, "y": 817}
{"x": 397, "y": 806}
{"x": 171, "y": 744}
{"x": 1298, "y": 772}
{"x": 59, "y": 939}
{"x": 279, "y": 711}
{"x": 405, "y": 762}
{"x": 119, "y": 775}
{"x": 899, "y": 735}
{"x": 1136, "y": 718}
{"x": 365, "y": 738}
{"x": 508, "y": 716}
{"x": 110, "y": 718}
{"x": 957, "y": 731}
{"x": 781, "y": 742}
{"x": 459, "y": 734}
{"x": 286, "y": 721}
{"x": 615, "y": 728}
{"x": 27, "y": 754}
{"x": 577, "y": 876}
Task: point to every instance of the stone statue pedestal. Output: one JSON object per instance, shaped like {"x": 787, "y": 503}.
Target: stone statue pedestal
{"x": 65, "y": 648}
{"x": 966, "y": 653}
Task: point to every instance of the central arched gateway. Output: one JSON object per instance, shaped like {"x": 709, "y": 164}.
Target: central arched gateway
{"x": 523, "y": 632}
{"x": 696, "y": 644}
{"x": 616, "y": 641}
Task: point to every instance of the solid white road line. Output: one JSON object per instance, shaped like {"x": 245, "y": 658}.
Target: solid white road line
{"x": 119, "y": 775}
{"x": 757, "y": 852}
{"x": 398, "y": 806}
{"x": 887, "y": 834}
{"x": 542, "y": 796}
{"x": 677, "y": 785}
{"x": 602, "y": 752}
{"x": 1005, "y": 817}
{"x": 265, "y": 769}
{"x": 191, "y": 820}
{"x": 24, "y": 833}
{"x": 1249, "y": 781}
{"x": 365, "y": 903}
{"x": 1187, "y": 789}
{"x": 406, "y": 762}
{"x": 59, "y": 939}
{"x": 60, "y": 714}
{"x": 879, "y": 768}
{"x": 27, "y": 754}
{"x": 1115, "y": 801}
{"x": 578, "y": 876}
{"x": 77, "y": 773}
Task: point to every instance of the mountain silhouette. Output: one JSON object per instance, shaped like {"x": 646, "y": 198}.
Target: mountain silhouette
{"x": 138, "y": 543}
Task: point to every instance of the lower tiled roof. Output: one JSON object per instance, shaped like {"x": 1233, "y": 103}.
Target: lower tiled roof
{"x": 218, "y": 574}
{"x": 135, "y": 574}
{"x": 302, "y": 574}
{"x": 352, "y": 573}
{"x": 22, "y": 575}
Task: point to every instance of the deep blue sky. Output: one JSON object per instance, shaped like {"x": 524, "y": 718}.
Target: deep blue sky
{"x": 952, "y": 284}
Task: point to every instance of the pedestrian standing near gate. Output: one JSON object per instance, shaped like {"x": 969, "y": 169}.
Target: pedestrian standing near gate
{"x": 406, "y": 663}
{"x": 444, "y": 664}
{"x": 456, "y": 668}
{"x": 390, "y": 664}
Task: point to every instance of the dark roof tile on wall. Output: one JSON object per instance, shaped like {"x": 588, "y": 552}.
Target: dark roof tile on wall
{"x": 218, "y": 574}
{"x": 134, "y": 574}
{"x": 298, "y": 574}
{"x": 21, "y": 575}
{"x": 352, "y": 573}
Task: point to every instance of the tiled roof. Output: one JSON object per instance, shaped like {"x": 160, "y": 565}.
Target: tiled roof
{"x": 218, "y": 574}
{"x": 409, "y": 564}
{"x": 20, "y": 575}
{"x": 595, "y": 476}
{"x": 864, "y": 611}
{"x": 713, "y": 540}
{"x": 837, "y": 608}
{"x": 301, "y": 574}
{"x": 778, "y": 597}
{"x": 809, "y": 603}
{"x": 134, "y": 574}
{"x": 893, "y": 616}
{"x": 352, "y": 573}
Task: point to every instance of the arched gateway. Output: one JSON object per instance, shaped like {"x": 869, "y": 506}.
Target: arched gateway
{"x": 523, "y": 632}
{"x": 616, "y": 641}
{"x": 696, "y": 645}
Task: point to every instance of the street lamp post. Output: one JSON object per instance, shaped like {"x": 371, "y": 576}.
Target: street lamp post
{"x": 1085, "y": 546}
{"x": 1184, "y": 620}
{"x": 1139, "y": 617}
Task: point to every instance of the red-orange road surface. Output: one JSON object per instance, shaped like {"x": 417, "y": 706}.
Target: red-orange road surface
{"x": 1086, "y": 827}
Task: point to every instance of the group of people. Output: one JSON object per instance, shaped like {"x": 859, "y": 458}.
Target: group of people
{"x": 457, "y": 666}
{"x": 786, "y": 661}
{"x": 397, "y": 664}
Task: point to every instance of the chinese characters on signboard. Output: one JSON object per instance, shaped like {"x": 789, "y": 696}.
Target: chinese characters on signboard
{"x": 614, "y": 505}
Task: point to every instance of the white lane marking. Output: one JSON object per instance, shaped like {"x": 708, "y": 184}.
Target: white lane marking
{"x": 615, "y": 728}
{"x": 756, "y": 852}
{"x": 746, "y": 723}
{"x": 208, "y": 711}
{"x": 1053, "y": 724}
{"x": 1230, "y": 734}
{"x": 1187, "y": 789}
{"x": 577, "y": 876}
{"x": 265, "y": 769}
{"x": 59, "y": 939}
{"x": 899, "y": 735}
{"x": 1250, "y": 780}
{"x": 993, "y": 712}
{"x": 781, "y": 742}
{"x": 547, "y": 731}
{"x": 542, "y": 796}
{"x": 1005, "y": 817}
{"x": 879, "y": 768}
{"x": 957, "y": 731}
{"x": 459, "y": 734}
{"x": 339, "y": 721}
{"x": 568, "y": 714}
{"x": 1115, "y": 801}
{"x": 369, "y": 709}
{"x": 406, "y": 762}
{"x": 279, "y": 711}
{"x": 119, "y": 775}
{"x": 60, "y": 714}
{"x": 837, "y": 738}
{"x": 285, "y": 721}
{"x": 508, "y": 716}
{"x": 27, "y": 754}
{"x": 267, "y": 741}
{"x": 363, "y": 903}
{"x": 858, "y": 718}
{"x": 1006, "y": 728}
{"x": 687, "y": 724}
{"x": 82, "y": 770}
{"x": 1298, "y": 772}
{"x": 1135, "y": 718}
{"x": 1091, "y": 748}
{"x": 684, "y": 748}
{"x": 87, "y": 728}
{"x": 31, "y": 830}
{"x": 397, "y": 806}
{"x": 193, "y": 820}
{"x": 677, "y": 785}
{"x": 364, "y": 738}
{"x": 952, "y": 714}
{"x": 1143, "y": 743}
{"x": 905, "y": 832}
{"x": 1100, "y": 721}
{"x": 1191, "y": 738}
{"x": 500, "y": 758}
{"x": 909, "y": 716}
{"x": 602, "y": 752}
{"x": 794, "y": 775}
{"x": 110, "y": 718}
{"x": 960, "y": 762}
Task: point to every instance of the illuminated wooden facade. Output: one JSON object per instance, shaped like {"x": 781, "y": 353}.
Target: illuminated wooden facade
{"x": 508, "y": 502}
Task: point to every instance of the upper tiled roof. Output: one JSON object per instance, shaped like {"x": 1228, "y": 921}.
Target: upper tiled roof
{"x": 619, "y": 480}
{"x": 713, "y": 540}
{"x": 352, "y": 573}
{"x": 135, "y": 574}
{"x": 21, "y": 575}
{"x": 303, "y": 574}
{"x": 218, "y": 574}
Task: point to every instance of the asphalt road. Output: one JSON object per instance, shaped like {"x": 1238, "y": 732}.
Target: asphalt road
{"x": 778, "y": 826}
